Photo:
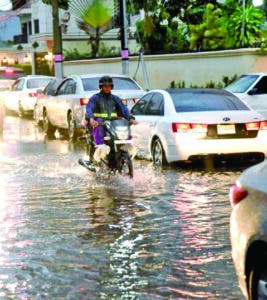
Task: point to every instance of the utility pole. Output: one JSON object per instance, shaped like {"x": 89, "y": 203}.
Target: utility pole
{"x": 124, "y": 38}
{"x": 57, "y": 49}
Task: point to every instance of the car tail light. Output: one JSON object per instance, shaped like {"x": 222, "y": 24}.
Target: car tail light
{"x": 185, "y": 127}
{"x": 84, "y": 101}
{"x": 33, "y": 94}
{"x": 199, "y": 127}
{"x": 180, "y": 127}
{"x": 9, "y": 71}
{"x": 253, "y": 126}
{"x": 135, "y": 100}
{"x": 263, "y": 125}
{"x": 236, "y": 194}
{"x": 256, "y": 125}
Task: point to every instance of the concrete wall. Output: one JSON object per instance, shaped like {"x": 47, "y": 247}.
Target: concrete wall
{"x": 193, "y": 68}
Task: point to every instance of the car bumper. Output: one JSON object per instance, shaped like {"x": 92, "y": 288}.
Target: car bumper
{"x": 187, "y": 146}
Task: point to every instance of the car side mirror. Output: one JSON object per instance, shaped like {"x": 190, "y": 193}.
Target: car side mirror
{"x": 40, "y": 91}
{"x": 253, "y": 91}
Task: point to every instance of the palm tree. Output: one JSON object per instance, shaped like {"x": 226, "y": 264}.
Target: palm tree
{"x": 93, "y": 17}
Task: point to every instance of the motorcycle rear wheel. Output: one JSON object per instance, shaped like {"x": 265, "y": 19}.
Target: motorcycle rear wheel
{"x": 125, "y": 165}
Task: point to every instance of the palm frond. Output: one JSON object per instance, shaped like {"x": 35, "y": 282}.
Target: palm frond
{"x": 95, "y": 13}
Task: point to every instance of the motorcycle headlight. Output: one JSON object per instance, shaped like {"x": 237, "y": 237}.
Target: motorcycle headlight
{"x": 122, "y": 132}
{"x": 123, "y": 135}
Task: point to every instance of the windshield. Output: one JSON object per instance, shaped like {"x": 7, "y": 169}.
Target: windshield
{"x": 241, "y": 84}
{"x": 205, "y": 101}
{"x": 120, "y": 83}
{"x": 34, "y": 83}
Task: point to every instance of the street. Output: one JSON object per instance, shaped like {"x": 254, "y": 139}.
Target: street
{"x": 70, "y": 234}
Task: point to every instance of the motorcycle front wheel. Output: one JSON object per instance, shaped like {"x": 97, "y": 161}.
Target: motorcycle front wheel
{"x": 125, "y": 165}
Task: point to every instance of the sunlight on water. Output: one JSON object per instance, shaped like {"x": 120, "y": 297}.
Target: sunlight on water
{"x": 67, "y": 233}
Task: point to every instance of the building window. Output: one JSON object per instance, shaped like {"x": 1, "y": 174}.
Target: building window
{"x": 36, "y": 26}
{"x": 30, "y": 27}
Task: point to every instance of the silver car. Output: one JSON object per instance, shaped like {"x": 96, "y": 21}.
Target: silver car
{"x": 248, "y": 230}
{"x": 187, "y": 124}
{"x": 66, "y": 109}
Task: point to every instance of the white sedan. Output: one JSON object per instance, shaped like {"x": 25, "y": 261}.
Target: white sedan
{"x": 65, "y": 110}
{"x": 21, "y": 99}
{"x": 248, "y": 228}
{"x": 187, "y": 124}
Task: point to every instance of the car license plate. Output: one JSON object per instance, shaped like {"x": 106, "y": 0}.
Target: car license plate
{"x": 226, "y": 129}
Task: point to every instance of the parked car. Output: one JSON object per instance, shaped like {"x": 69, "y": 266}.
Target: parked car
{"x": 8, "y": 75}
{"x": 248, "y": 230}
{"x": 22, "y": 96}
{"x": 66, "y": 109}
{"x": 42, "y": 97}
{"x": 186, "y": 124}
{"x": 251, "y": 88}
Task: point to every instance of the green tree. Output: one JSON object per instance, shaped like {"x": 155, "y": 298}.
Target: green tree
{"x": 94, "y": 18}
{"x": 233, "y": 20}
{"x": 210, "y": 34}
{"x": 165, "y": 26}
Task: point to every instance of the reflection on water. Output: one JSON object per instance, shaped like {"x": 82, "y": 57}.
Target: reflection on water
{"x": 69, "y": 234}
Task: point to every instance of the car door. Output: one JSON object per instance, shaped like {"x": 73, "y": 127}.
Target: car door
{"x": 139, "y": 131}
{"x": 154, "y": 112}
{"x": 147, "y": 112}
{"x": 13, "y": 97}
{"x": 256, "y": 97}
{"x": 57, "y": 108}
{"x": 66, "y": 99}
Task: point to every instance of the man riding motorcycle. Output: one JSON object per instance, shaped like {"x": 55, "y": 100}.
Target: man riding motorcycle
{"x": 104, "y": 106}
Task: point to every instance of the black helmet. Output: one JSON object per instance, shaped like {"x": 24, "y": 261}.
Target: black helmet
{"x": 105, "y": 80}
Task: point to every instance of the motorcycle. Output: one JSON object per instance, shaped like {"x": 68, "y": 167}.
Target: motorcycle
{"x": 109, "y": 147}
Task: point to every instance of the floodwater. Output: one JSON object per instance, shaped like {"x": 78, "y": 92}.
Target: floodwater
{"x": 68, "y": 234}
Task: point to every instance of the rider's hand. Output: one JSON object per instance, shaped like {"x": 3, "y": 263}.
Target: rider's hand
{"x": 134, "y": 122}
{"x": 93, "y": 122}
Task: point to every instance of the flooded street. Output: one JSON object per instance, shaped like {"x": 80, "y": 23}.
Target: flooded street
{"x": 68, "y": 234}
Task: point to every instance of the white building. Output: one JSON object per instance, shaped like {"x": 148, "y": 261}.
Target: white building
{"x": 36, "y": 28}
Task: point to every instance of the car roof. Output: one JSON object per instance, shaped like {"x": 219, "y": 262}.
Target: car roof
{"x": 91, "y": 75}
{"x": 199, "y": 90}
{"x": 254, "y": 73}
{"x": 36, "y": 76}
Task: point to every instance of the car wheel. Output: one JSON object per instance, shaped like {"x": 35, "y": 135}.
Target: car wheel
{"x": 48, "y": 127}
{"x": 258, "y": 283}
{"x": 72, "y": 129}
{"x": 158, "y": 154}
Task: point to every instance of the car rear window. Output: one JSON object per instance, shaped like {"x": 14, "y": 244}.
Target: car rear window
{"x": 241, "y": 84}
{"x": 37, "y": 82}
{"x": 197, "y": 101}
{"x": 91, "y": 84}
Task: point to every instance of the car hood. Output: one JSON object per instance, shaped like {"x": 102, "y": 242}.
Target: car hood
{"x": 214, "y": 117}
